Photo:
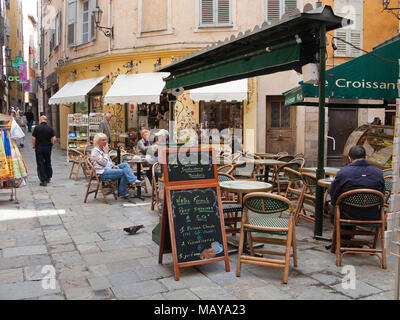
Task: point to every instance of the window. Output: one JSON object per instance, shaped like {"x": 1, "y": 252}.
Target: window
{"x": 81, "y": 26}
{"x": 215, "y": 13}
{"x": 350, "y": 9}
{"x": 276, "y": 8}
{"x": 280, "y": 115}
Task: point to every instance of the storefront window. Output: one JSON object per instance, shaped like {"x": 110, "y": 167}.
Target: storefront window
{"x": 95, "y": 104}
{"x": 82, "y": 107}
{"x": 151, "y": 116}
{"x": 221, "y": 115}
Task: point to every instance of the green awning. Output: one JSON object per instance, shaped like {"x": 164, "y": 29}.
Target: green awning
{"x": 368, "y": 80}
{"x": 287, "y": 45}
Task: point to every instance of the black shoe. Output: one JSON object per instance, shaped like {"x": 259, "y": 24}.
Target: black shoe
{"x": 43, "y": 184}
{"x": 133, "y": 229}
{"x": 48, "y": 180}
{"x": 328, "y": 247}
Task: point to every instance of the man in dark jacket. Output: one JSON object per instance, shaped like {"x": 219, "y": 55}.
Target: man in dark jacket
{"x": 43, "y": 139}
{"x": 359, "y": 174}
{"x": 29, "y": 119}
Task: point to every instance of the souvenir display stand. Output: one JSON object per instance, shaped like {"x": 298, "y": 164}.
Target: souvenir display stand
{"x": 94, "y": 122}
{"x": 78, "y": 133}
{"x": 13, "y": 171}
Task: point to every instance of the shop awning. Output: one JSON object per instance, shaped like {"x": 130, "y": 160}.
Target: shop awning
{"x": 228, "y": 91}
{"x": 367, "y": 80}
{"x": 74, "y": 91}
{"x": 136, "y": 88}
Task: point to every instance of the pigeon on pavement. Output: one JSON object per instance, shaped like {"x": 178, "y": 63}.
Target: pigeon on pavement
{"x": 133, "y": 229}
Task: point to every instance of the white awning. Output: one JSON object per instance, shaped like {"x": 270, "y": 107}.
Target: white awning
{"x": 74, "y": 91}
{"x": 228, "y": 91}
{"x": 136, "y": 88}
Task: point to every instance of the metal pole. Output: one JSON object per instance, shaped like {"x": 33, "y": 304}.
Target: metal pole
{"x": 397, "y": 280}
{"x": 321, "y": 135}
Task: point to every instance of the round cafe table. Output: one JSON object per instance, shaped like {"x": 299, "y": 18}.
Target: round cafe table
{"x": 326, "y": 182}
{"x": 330, "y": 171}
{"x": 268, "y": 163}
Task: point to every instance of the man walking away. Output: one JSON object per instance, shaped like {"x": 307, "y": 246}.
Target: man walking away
{"x": 43, "y": 138}
{"x": 29, "y": 119}
{"x": 104, "y": 126}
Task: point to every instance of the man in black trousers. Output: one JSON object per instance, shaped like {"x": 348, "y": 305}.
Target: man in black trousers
{"x": 43, "y": 139}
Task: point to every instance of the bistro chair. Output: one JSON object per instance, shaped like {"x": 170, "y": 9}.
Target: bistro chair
{"x": 260, "y": 221}
{"x": 387, "y": 172}
{"x": 155, "y": 199}
{"x": 299, "y": 155}
{"x": 300, "y": 161}
{"x": 285, "y": 158}
{"x": 231, "y": 207}
{"x": 106, "y": 186}
{"x": 306, "y": 202}
{"x": 78, "y": 161}
{"x": 388, "y": 192}
{"x": 244, "y": 169}
{"x": 280, "y": 181}
{"x": 360, "y": 198}
{"x": 227, "y": 168}
{"x": 294, "y": 188}
{"x": 279, "y": 154}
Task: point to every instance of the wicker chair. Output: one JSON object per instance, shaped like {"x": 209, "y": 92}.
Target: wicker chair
{"x": 360, "y": 198}
{"x": 227, "y": 168}
{"x": 306, "y": 202}
{"x": 300, "y": 161}
{"x": 231, "y": 207}
{"x": 154, "y": 186}
{"x": 388, "y": 192}
{"x": 260, "y": 217}
{"x": 280, "y": 179}
{"x": 285, "y": 158}
{"x": 244, "y": 170}
{"x": 106, "y": 186}
{"x": 299, "y": 155}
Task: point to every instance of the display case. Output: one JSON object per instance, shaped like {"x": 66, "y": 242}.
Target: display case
{"x": 78, "y": 133}
{"x": 377, "y": 141}
{"x": 94, "y": 122}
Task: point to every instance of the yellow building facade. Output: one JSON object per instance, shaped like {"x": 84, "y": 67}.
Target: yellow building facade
{"x": 14, "y": 50}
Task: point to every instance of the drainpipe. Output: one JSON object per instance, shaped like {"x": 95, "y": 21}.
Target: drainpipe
{"x": 109, "y": 24}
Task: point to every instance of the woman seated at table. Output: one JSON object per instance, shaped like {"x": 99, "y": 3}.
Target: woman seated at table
{"x": 105, "y": 169}
{"x": 143, "y": 146}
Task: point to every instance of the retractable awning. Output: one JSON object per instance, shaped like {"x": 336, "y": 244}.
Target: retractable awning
{"x": 228, "y": 91}
{"x": 366, "y": 81}
{"x": 74, "y": 91}
{"x": 136, "y": 88}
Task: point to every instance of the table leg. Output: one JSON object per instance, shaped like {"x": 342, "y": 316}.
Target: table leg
{"x": 266, "y": 170}
{"x": 138, "y": 188}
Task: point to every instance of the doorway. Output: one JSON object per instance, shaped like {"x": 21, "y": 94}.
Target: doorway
{"x": 342, "y": 122}
{"x": 281, "y": 126}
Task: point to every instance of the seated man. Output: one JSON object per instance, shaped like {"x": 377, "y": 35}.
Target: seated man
{"x": 105, "y": 169}
{"x": 359, "y": 174}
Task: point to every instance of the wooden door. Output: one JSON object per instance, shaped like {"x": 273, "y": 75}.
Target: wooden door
{"x": 342, "y": 122}
{"x": 281, "y": 126}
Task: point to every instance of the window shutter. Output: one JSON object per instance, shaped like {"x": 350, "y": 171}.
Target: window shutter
{"x": 52, "y": 35}
{"x": 224, "y": 12}
{"x": 71, "y": 22}
{"x": 207, "y": 12}
{"x": 273, "y": 13}
{"x": 355, "y": 39}
{"x": 85, "y": 21}
{"x": 58, "y": 29}
{"x": 92, "y": 24}
{"x": 290, "y": 5}
{"x": 341, "y": 46}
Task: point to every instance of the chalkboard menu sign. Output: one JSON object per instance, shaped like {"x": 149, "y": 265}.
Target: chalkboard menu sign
{"x": 189, "y": 165}
{"x": 197, "y": 224}
{"x": 192, "y": 209}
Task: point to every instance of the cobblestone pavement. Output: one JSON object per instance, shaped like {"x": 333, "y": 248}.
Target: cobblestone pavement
{"x": 93, "y": 258}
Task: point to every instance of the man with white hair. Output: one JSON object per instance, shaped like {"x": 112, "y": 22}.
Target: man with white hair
{"x": 43, "y": 139}
{"x": 104, "y": 126}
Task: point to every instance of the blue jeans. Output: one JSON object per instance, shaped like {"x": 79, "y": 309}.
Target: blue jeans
{"x": 124, "y": 174}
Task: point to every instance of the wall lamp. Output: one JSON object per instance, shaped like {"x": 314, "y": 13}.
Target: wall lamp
{"x": 97, "y": 13}
{"x": 386, "y": 4}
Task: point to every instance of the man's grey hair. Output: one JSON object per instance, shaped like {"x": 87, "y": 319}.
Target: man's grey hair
{"x": 107, "y": 115}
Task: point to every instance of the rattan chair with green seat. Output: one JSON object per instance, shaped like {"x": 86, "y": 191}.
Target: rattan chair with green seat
{"x": 282, "y": 154}
{"x": 281, "y": 181}
{"x": 227, "y": 168}
{"x": 261, "y": 223}
{"x": 295, "y": 186}
{"x": 244, "y": 169}
{"x": 388, "y": 192}
{"x": 285, "y": 158}
{"x": 299, "y": 155}
{"x": 359, "y": 198}
{"x": 231, "y": 207}
{"x": 300, "y": 161}
{"x": 306, "y": 202}
{"x": 387, "y": 172}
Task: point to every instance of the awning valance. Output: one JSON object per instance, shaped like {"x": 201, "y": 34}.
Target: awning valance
{"x": 136, "y": 88}
{"x": 74, "y": 91}
{"x": 228, "y": 91}
{"x": 366, "y": 80}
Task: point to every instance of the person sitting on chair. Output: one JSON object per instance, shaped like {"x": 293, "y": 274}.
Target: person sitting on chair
{"x": 105, "y": 169}
{"x": 359, "y": 174}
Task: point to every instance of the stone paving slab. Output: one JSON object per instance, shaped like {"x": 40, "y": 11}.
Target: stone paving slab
{"x": 11, "y": 275}
{"x": 25, "y": 289}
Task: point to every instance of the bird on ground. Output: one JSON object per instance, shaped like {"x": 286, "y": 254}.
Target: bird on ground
{"x": 133, "y": 229}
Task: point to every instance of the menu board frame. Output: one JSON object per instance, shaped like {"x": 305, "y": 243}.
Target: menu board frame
{"x": 167, "y": 214}
{"x": 165, "y": 157}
